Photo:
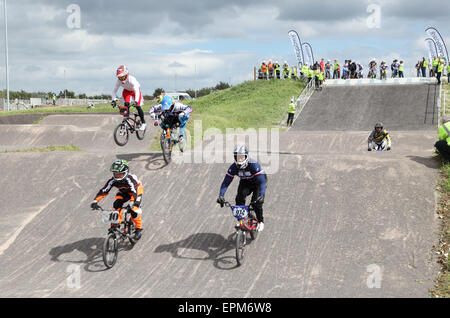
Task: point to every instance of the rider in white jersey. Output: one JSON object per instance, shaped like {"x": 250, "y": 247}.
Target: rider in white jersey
{"x": 131, "y": 89}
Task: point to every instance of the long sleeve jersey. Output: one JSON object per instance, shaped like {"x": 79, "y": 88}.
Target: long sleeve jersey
{"x": 128, "y": 185}
{"x": 130, "y": 84}
{"x": 252, "y": 172}
{"x": 177, "y": 109}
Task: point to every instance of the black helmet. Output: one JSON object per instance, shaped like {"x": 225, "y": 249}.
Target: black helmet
{"x": 119, "y": 166}
{"x": 379, "y": 125}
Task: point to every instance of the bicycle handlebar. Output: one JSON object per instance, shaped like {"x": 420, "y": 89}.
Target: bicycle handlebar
{"x": 229, "y": 205}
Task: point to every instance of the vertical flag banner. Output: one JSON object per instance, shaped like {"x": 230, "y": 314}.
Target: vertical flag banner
{"x": 308, "y": 53}
{"x": 295, "y": 39}
{"x": 431, "y": 47}
{"x": 440, "y": 44}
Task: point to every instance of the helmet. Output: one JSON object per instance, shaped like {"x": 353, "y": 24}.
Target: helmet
{"x": 166, "y": 102}
{"x": 379, "y": 125}
{"x": 122, "y": 73}
{"x": 241, "y": 150}
{"x": 119, "y": 168}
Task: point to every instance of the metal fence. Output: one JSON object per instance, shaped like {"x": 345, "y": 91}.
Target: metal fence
{"x": 301, "y": 100}
{"x": 23, "y": 104}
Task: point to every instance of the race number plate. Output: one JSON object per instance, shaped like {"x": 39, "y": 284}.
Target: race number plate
{"x": 110, "y": 217}
{"x": 240, "y": 212}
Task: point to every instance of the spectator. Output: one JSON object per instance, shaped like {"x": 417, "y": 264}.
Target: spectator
{"x": 54, "y": 99}
{"x": 352, "y": 68}
{"x": 270, "y": 68}
{"x": 383, "y": 70}
{"x": 448, "y": 73}
{"x": 328, "y": 70}
{"x": 360, "y": 70}
{"x": 439, "y": 69}
{"x": 285, "y": 69}
{"x": 305, "y": 71}
{"x": 318, "y": 77}
{"x": 424, "y": 66}
{"x": 394, "y": 68}
{"x": 401, "y": 68}
{"x": 434, "y": 65}
{"x": 310, "y": 74}
{"x": 444, "y": 139}
{"x": 418, "y": 67}
{"x": 293, "y": 72}
{"x": 322, "y": 65}
{"x": 336, "y": 70}
{"x": 345, "y": 70}
{"x": 263, "y": 71}
{"x": 277, "y": 70}
{"x": 372, "y": 69}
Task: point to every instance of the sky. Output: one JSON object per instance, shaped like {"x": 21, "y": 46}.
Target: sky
{"x": 177, "y": 45}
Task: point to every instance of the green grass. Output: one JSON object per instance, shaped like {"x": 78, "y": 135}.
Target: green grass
{"x": 446, "y": 89}
{"x": 50, "y": 148}
{"x": 442, "y": 284}
{"x": 252, "y": 104}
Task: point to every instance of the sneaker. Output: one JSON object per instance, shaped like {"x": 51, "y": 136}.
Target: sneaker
{"x": 143, "y": 126}
{"x": 137, "y": 234}
{"x": 260, "y": 227}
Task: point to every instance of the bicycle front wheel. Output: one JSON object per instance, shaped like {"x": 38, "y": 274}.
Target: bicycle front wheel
{"x": 110, "y": 250}
{"x": 240, "y": 246}
{"x": 121, "y": 134}
{"x": 166, "y": 147}
{"x": 131, "y": 229}
{"x": 139, "y": 133}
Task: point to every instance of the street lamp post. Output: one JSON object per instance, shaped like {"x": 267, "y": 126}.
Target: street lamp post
{"x": 6, "y": 54}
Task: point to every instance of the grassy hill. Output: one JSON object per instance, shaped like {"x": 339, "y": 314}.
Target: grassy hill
{"x": 252, "y": 104}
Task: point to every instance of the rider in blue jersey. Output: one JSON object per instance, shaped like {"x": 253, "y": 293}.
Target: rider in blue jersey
{"x": 172, "y": 112}
{"x": 252, "y": 181}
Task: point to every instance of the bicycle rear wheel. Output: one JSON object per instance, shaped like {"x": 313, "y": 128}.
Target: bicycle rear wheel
{"x": 139, "y": 133}
{"x": 254, "y": 232}
{"x": 240, "y": 246}
{"x": 182, "y": 144}
{"x": 110, "y": 250}
{"x": 121, "y": 134}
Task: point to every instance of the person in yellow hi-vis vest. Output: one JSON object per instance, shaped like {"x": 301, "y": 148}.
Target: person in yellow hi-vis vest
{"x": 439, "y": 69}
{"x": 448, "y": 73}
{"x": 318, "y": 77}
{"x": 401, "y": 68}
{"x": 424, "y": 66}
{"x": 443, "y": 145}
{"x": 304, "y": 71}
{"x": 291, "y": 113}
{"x": 434, "y": 65}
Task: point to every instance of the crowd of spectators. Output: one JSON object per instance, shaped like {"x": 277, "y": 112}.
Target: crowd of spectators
{"x": 435, "y": 68}
{"x": 321, "y": 71}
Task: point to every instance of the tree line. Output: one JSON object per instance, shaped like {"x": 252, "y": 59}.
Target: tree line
{"x": 70, "y": 94}
{"x": 193, "y": 93}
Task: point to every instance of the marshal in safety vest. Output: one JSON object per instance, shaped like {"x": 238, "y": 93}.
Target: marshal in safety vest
{"x": 291, "y": 109}
{"x": 444, "y": 132}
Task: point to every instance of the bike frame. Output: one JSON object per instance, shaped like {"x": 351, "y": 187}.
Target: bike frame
{"x": 129, "y": 121}
{"x": 244, "y": 223}
{"x": 122, "y": 232}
